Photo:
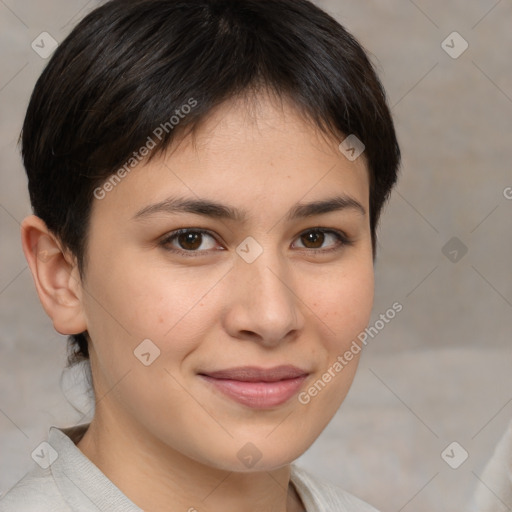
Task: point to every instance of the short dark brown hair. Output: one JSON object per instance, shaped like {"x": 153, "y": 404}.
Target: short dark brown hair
{"x": 129, "y": 65}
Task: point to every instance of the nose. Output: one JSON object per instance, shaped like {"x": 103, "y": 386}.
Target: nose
{"x": 264, "y": 306}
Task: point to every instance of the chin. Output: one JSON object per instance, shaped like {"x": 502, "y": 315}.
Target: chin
{"x": 258, "y": 455}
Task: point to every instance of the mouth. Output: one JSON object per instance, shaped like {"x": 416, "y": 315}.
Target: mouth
{"x": 260, "y": 388}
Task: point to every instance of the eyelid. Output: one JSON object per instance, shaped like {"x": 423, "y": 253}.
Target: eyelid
{"x": 343, "y": 240}
{"x": 164, "y": 242}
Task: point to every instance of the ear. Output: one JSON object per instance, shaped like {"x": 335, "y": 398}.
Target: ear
{"x": 55, "y": 275}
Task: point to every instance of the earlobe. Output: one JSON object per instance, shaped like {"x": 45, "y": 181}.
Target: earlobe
{"x": 55, "y": 276}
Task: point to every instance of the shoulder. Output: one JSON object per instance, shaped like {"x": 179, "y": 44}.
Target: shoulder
{"x": 496, "y": 479}
{"x": 321, "y": 496}
{"x": 35, "y": 492}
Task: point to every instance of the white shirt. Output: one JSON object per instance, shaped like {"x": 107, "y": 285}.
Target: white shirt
{"x": 494, "y": 490}
{"x": 72, "y": 483}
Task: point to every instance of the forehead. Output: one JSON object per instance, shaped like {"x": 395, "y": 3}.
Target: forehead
{"x": 250, "y": 154}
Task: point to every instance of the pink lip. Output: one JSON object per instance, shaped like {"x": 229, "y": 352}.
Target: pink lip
{"x": 258, "y": 387}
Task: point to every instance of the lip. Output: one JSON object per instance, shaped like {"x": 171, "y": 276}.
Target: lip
{"x": 260, "y": 388}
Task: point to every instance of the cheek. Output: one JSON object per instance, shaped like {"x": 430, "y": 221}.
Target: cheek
{"x": 345, "y": 307}
{"x": 133, "y": 302}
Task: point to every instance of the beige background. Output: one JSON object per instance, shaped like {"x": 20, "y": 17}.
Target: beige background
{"x": 441, "y": 370}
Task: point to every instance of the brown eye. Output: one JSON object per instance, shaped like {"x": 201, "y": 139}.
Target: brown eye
{"x": 194, "y": 242}
{"x": 188, "y": 241}
{"x": 315, "y": 239}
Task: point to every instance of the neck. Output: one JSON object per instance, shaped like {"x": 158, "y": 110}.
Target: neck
{"x": 158, "y": 478}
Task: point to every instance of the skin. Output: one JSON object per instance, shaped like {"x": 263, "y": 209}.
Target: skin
{"x": 160, "y": 433}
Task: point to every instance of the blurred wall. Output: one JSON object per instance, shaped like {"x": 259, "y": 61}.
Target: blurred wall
{"x": 440, "y": 371}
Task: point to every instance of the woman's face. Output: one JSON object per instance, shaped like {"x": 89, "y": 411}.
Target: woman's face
{"x": 260, "y": 279}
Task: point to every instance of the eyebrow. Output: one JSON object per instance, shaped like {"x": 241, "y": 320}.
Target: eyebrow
{"x": 209, "y": 208}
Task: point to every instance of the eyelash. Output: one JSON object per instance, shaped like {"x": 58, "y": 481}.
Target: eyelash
{"x": 342, "y": 241}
